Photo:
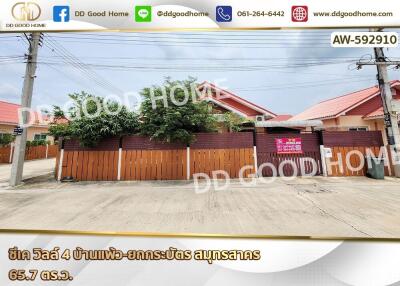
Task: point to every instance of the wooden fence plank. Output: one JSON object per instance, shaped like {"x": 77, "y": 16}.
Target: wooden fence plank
{"x": 171, "y": 164}
{"x": 5, "y": 154}
{"x": 64, "y": 164}
{"x": 69, "y": 159}
{"x": 354, "y": 160}
{"x": 136, "y": 164}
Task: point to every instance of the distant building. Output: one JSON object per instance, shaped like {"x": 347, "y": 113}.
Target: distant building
{"x": 9, "y": 120}
{"x": 222, "y": 101}
{"x": 357, "y": 111}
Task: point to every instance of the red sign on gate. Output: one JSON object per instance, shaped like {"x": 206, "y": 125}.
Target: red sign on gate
{"x": 288, "y": 145}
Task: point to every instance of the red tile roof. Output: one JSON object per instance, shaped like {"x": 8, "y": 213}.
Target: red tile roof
{"x": 9, "y": 113}
{"x": 335, "y": 107}
{"x": 375, "y": 114}
{"x": 378, "y": 113}
{"x": 236, "y": 102}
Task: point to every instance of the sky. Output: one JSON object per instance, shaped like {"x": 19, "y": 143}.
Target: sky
{"x": 283, "y": 71}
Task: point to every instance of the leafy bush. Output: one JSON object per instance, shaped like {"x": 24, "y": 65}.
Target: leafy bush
{"x": 164, "y": 120}
{"x": 34, "y": 143}
{"x": 92, "y": 119}
{"x": 6, "y": 139}
{"x": 161, "y": 120}
{"x": 233, "y": 122}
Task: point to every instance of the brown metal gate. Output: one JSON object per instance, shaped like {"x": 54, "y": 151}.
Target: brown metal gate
{"x": 267, "y": 153}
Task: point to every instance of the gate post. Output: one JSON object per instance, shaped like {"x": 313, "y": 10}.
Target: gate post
{"x": 60, "y": 162}
{"x": 323, "y": 160}
{"x": 188, "y": 162}
{"x": 322, "y": 152}
{"x": 47, "y": 150}
{"x": 255, "y": 153}
{"x": 255, "y": 161}
{"x": 119, "y": 159}
{"x": 119, "y": 164}
{"x": 11, "y": 152}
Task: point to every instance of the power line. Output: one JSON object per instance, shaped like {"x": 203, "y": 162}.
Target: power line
{"x": 71, "y": 59}
{"x": 201, "y": 46}
{"x": 212, "y": 59}
{"x": 216, "y": 34}
{"x": 166, "y": 64}
{"x": 303, "y": 85}
{"x": 74, "y": 80}
{"x": 260, "y": 38}
{"x": 190, "y": 67}
{"x": 205, "y": 43}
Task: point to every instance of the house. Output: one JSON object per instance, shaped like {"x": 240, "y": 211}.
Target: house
{"x": 357, "y": 111}
{"x": 226, "y": 101}
{"x": 222, "y": 101}
{"x": 9, "y": 120}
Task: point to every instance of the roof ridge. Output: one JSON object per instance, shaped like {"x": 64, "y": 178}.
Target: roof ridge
{"x": 237, "y": 96}
{"x": 347, "y": 94}
{"x": 350, "y": 93}
{"x": 3, "y": 101}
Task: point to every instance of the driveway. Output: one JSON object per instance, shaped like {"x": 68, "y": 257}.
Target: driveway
{"x": 32, "y": 169}
{"x": 327, "y": 207}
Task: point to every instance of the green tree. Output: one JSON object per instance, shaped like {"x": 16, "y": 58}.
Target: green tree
{"x": 92, "y": 119}
{"x": 171, "y": 112}
{"x": 233, "y": 122}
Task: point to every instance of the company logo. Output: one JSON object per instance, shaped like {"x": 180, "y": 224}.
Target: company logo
{"x": 299, "y": 13}
{"x": 143, "y": 13}
{"x": 223, "y": 13}
{"x": 26, "y": 11}
{"x": 61, "y": 13}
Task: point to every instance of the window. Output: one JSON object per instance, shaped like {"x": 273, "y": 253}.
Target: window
{"x": 358, "y": 129}
{"x": 38, "y": 137}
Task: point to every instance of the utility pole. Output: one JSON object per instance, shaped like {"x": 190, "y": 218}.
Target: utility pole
{"x": 20, "y": 141}
{"x": 390, "y": 114}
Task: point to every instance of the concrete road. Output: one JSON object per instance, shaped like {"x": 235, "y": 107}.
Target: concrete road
{"x": 327, "y": 207}
{"x": 32, "y": 169}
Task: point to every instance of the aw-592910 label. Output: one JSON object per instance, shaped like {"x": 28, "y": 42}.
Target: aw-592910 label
{"x": 364, "y": 39}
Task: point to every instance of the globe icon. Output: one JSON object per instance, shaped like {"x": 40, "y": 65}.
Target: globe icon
{"x": 299, "y": 14}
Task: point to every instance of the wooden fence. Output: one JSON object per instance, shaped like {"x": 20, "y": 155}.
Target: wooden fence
{"x": 144, "y": 159}
{"x": 36, "y": 152}
{"x": 90, "y": 165}
{"x": 350, "y": 161}
{"x": 349, "y": 150}
{"x": 228, "y": 152}
{"x": 31, "y": 153}
{"x": 231, "y": 161}
{"x": 5, "y": 154}
{"x": 138, "y": 158}
{"x": 154, "y": 165}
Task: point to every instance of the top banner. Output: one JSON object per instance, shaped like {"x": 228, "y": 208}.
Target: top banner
{"x": 124, "y": 15}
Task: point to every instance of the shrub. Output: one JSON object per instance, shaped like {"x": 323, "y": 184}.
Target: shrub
{"x": 171, "y": 122}
{"x": 6, "y": 139}
{"x": 90, "y": 129}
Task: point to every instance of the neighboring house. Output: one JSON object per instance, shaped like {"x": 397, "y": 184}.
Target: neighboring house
{"x": 358, "y": 111}
{"x": 9, "y": 120}
{"x": 223, "y": 101}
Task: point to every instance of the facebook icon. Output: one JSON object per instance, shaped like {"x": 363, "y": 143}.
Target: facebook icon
{"x": 61, "y": 13}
